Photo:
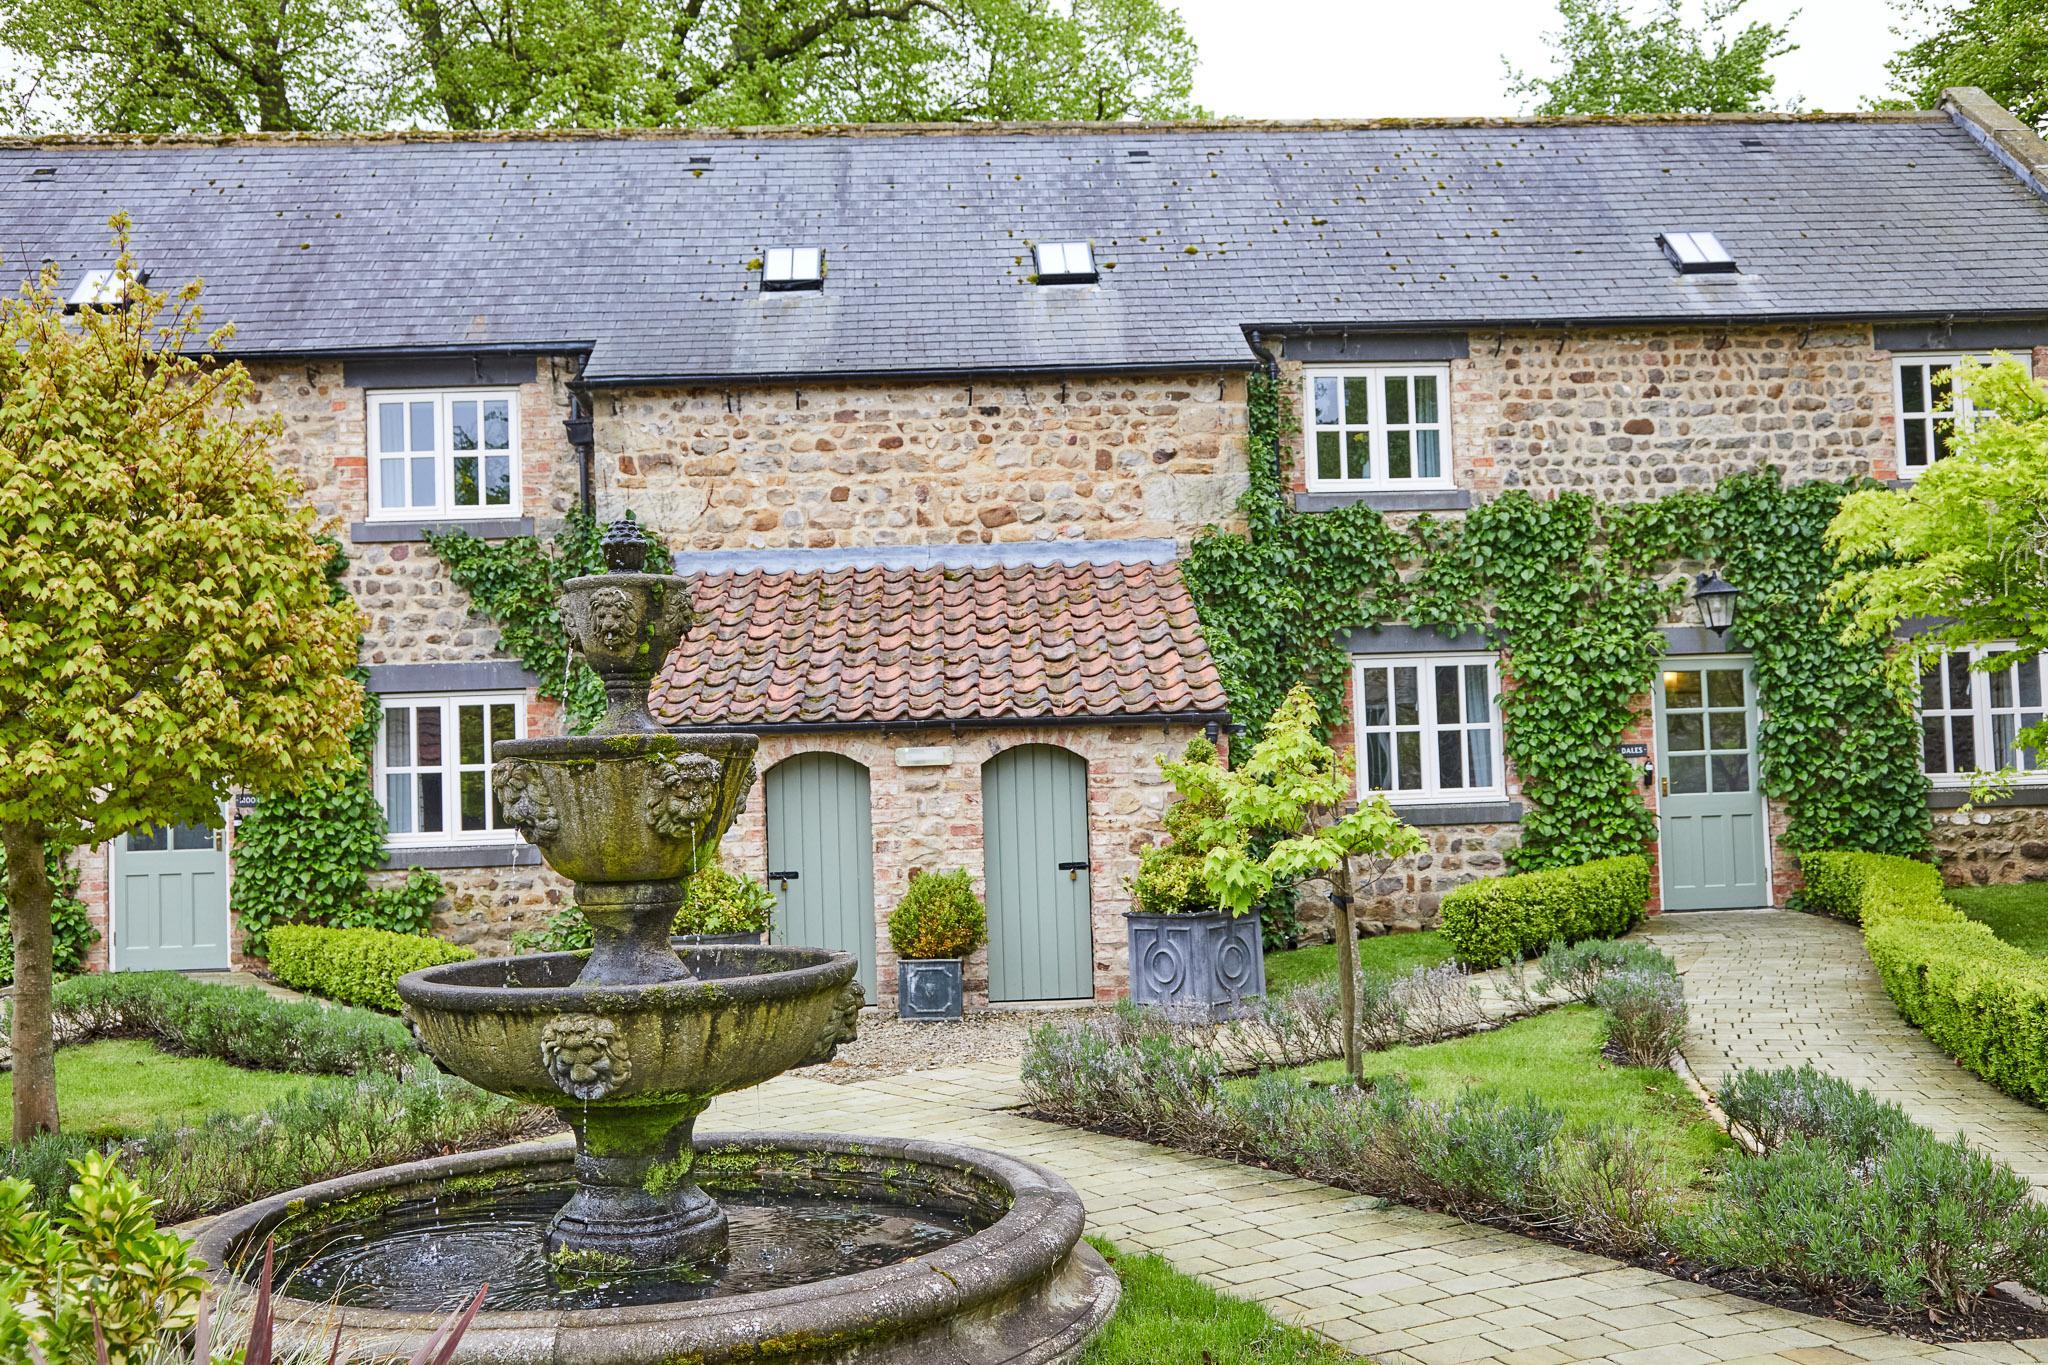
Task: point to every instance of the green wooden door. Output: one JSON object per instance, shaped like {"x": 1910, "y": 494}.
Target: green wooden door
{"x": 171, "y": 901}
{"x": 1034, "y": 802}
{"x": 821, "y": 857}
{"x": 1712, "y": 850}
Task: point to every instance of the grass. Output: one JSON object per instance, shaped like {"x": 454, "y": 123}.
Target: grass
{"x": 1167, "y": 1318}
{"x": 120, "y": 1086}
{"x": 2017, "y": 914}
{"x": 1556, "y": 1056}
{"x": 1394, "y": 954}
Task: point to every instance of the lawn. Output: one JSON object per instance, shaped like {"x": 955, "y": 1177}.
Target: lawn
{"x": 120, "y": 1086}
{"x": 1167, "y": 1318}
{"x": 1556, "y": 1056}
{"x": 2017, "y": 914}
{"x": 1394, "y": 954}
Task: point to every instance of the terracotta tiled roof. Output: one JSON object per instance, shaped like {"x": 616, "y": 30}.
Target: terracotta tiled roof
{"x": 939, "y": 644}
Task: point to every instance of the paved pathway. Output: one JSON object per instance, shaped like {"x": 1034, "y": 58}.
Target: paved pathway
{"x": 1392, "y": 1282}
{"x": 1772, "y": 988}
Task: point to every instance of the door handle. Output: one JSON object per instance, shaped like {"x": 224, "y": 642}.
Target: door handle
{"x": 1664, "y": 786}
{"x": 1073, "y": 870}
{"x": 784, "y": 877}
{"x": 219, "y": 840}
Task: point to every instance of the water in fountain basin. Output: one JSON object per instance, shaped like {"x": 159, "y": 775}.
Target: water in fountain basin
{"x": 431, "y": 1254}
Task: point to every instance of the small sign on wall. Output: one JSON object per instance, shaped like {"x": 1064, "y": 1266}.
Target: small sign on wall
{"x": 1633, "y": 750}
{"x": 245, "y": 802}
{"x": 925, "y": 756}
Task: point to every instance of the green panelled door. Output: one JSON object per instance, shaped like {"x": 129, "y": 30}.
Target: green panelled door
{"x": 1711, "y": 847}
{"x": 171, "y": 901}
{"x": 821, "y": 857}
{"x": 1034, "y": 804}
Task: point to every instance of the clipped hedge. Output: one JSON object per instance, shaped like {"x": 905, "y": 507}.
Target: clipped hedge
{"x": 354, "y": 966}
{"x": 1505, "y": 919}
{"x": 1982, "y": 1000}
{"x": 237, "y": 1024}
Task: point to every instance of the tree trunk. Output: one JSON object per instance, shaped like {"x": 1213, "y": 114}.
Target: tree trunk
{"x": 1347, "y": 969}
{"x": 29, "y": 897}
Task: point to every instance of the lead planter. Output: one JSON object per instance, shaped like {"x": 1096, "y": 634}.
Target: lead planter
{"x": 1202, "y": 964}
{"x": 929, "y": 988}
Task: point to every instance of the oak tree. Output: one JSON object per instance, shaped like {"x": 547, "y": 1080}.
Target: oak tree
{"x": 1611, "y": 63}
{"x": 166, "y": 631}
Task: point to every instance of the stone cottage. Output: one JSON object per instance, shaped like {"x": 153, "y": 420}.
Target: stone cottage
{"x": 931, "y": 414}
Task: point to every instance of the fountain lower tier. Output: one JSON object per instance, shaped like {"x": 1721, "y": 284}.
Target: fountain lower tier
{"x": 630, "y": 1067}
{"x": 957, "y": 1255}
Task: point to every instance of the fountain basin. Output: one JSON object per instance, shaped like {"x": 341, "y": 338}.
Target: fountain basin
{"x": 1021, "y": 1290}
{"x": 629, "y": 1068}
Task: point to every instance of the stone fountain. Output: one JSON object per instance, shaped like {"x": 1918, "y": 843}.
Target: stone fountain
{"x": 613, "y": 1250}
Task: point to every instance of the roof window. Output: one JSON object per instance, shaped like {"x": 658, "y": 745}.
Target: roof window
{"x": 793, "y": 267}
{"x": 1066, "y": 263}
{"x": 99, "y": 289}
{"x": 1696, "y": 253}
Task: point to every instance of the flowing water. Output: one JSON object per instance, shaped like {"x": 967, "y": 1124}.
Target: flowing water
{"x": 433, "y": 1253}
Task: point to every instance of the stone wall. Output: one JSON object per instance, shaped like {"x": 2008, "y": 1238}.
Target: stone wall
{"x": 415, "y": 613}
{"x": 911, "y": 463}
{"x": 930, "y": 819}
{"x": 1636, "y": 414}
{"x": 1993, "y": 844}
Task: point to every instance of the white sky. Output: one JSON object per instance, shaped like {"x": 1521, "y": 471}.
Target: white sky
{"x": 1390, "y": 58}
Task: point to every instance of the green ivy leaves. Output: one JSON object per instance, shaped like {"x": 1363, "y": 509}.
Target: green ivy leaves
{"x": 1571, "y": 591}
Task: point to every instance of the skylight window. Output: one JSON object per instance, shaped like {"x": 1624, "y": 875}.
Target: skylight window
{"x": 99, "y": 289}
{"x": 1066, "y": 263}
{"x": 794, "y": 267}
{"x": 1696, "y": 253}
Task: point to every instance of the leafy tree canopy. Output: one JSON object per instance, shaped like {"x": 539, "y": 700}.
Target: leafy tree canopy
{"x": 154, "y": 66}
{"x": 166, "y": 630}
{"x": 1609, "y": 63}
{"x": 1965, "y": 541}
{"x": 1999, "y": 45}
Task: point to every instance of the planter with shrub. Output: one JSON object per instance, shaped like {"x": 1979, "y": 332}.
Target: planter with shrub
{"x": 1187, "y": 953}
{"x": 934, "y": 929}
{"x": 722, "y": 907}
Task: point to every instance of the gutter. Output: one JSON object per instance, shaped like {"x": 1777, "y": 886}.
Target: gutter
{"x": 1497, "y": 322}
{"x": 760, "y": 377}
{"x": 797, "y": 727}
{"x": 580, "y": 426}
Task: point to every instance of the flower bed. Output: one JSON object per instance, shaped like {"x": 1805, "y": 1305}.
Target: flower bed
{"x": 1847, "y": 1208}
{"x": 1982, "y": 1000}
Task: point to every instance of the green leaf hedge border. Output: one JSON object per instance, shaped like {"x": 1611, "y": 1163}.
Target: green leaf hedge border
{"x": 1572, "y": 591}
{"x": 1982, "y": 1000}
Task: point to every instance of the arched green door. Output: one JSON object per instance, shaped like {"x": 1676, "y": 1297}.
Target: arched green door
{"x": 1034, "y": 801}
{"x": 821, "y": 857}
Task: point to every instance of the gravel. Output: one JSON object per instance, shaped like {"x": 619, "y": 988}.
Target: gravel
{"x": 890, "y": 1046}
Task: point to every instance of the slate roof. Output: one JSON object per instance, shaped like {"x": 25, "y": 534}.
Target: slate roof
{"x": 1086, "y": 641}
{"x": 639, "y": 246}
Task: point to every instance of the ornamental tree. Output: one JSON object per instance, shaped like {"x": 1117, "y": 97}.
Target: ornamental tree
{"x": 1297, "y": 787}
{"x": 166, "y": 630}
{"x": 1965, "y": 541}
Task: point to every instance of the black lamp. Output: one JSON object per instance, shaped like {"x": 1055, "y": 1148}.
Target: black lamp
{"x": 1716, "y": 597}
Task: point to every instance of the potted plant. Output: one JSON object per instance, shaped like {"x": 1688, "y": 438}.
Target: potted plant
{"x": 1188, "y": 952}
{"x": 722, "y": 907}
{"x": 936, "y": 926}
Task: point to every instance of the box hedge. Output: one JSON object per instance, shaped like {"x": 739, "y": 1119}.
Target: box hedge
{"x": 1982, "y": 1000}
{"x": 354, "y": 966}
{"x": 1509, "y": 918}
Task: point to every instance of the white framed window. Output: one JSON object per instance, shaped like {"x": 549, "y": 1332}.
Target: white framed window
{"x": 1378, "y": 426}
{"x": 1429, "y": 727}
{"x": 1928, "y": 409}
{"x": 1970, "y": 716}
{"x": 433, "y": 769}
{"x": 444, "y": 454}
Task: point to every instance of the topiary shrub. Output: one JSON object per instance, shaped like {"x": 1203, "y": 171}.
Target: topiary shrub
{"x": 1505, "y": 919}
{"x": 1982, "y": 1000}
{"x": 939, "y": 916}
{"x": 1170, "y": 883}
{"x": 354, "y": 966}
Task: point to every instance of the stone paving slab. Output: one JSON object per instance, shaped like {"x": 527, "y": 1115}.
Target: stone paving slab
{"x": 1379, "y": 1279}
{"x": 1774, "y": 988}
